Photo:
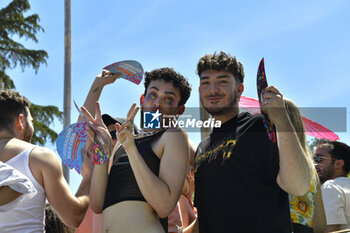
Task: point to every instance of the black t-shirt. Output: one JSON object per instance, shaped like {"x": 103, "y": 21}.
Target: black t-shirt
{"x": 236, "y": 170}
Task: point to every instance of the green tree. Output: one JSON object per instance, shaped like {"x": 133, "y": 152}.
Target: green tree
{"x": 12, "y": 53}
{"x": 313, "y": 143}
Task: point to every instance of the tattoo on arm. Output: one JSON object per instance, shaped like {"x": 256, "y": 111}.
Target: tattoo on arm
{"x": 96, "y": 89}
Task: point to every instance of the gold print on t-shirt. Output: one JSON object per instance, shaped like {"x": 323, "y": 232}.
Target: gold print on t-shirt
{"x": 226, "y": 149}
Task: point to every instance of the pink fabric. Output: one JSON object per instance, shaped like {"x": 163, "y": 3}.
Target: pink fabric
{"x": 188, "y": 211}
{"x": 92, "y": 223}
{"x": 316, "y": 130}
{"x": 249, "y": 104}
{"x": 175, "y": 220}
{"x": 311, "y": 128}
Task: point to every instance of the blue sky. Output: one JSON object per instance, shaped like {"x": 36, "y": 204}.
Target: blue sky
{"x": 306, "y": 47}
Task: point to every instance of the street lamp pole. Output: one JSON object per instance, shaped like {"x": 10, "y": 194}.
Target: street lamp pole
{"x": 67, "y": 73}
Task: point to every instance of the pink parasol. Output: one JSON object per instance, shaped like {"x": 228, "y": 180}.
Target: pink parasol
{"x": 311, "y": 128}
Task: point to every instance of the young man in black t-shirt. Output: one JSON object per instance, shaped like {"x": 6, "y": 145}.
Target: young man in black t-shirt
{"x": 242, "y": 178}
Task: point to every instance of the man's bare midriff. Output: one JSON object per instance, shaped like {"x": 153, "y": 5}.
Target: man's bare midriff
{"x": 129, "y": 217}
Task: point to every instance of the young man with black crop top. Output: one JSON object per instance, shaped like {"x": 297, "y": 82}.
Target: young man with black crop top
{"x": 147, "y": 172}
{"x": 241, "y": 177}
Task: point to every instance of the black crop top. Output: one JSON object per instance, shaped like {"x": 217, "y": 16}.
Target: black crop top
{"x": 122, "y": 184}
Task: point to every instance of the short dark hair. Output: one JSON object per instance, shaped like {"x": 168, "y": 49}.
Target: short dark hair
{"x": 11, "y": 105}
{"x": 170, "y": 75}
{"x": 221, "y": 61}
{"x": 53, "y": 223}
{"x": 339, "y": 150}
{"x": 108, "y": 120}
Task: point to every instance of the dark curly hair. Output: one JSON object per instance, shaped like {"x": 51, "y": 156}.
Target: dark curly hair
{"x": 221, "y": 61}
{"x": 338, "y": 150}
{"x": 171, "y": 76}
{"x": 53, "y": 223}
{"x": 11, "y": 105}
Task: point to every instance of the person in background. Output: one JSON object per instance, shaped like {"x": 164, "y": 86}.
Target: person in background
{"x": 307, "y": 212}
{"x": 182, "y": 217}
{"x": 333, "y": 164}
{"x": 41, "y": 166}
{"x": 188, "y": 211}
{"x": 53, "y": 223}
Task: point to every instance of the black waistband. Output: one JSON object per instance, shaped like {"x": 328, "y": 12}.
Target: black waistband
{"x": 299, "y": 228}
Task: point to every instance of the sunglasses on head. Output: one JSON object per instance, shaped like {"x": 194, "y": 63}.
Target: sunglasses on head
{"x": 318, "y": 158}
{"x": 113, "y": 134}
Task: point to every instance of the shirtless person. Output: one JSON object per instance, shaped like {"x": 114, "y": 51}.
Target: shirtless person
{"x": 147, "y": 173}
{"x": 41, "y": 166}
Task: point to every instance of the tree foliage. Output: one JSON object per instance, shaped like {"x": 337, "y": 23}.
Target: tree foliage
{"x": 314, "y": 142}
{"x": 13, "y": 23}
{"x": 44, "y": 116}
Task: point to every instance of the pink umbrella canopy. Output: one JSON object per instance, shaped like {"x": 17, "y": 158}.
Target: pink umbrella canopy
{"x": 311, "y": 128}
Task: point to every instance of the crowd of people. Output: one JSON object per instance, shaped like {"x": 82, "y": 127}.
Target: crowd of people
{"x": 236, "y": 180}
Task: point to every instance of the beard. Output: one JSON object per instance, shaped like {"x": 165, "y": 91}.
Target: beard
{"x": 28, "y": 133}
{"x": 326, "y": 174}
{"x": 223, "y": 110}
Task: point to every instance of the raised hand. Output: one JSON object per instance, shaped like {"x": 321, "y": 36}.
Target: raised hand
{"x": 125, "y": 131}
{"x": 88, "y": 165}
{"x": 102, "y": 136}
{"x": 273, "y": 105}
{"x": 107, "y": 77}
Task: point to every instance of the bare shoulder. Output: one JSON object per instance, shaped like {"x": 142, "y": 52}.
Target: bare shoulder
{"x": 18, "y": 146}
{"x": 175, "y": 139}
{"x": 44, "y": 154}
{"x": 45, "y": 159}
{"x": 175, "y": 134}
{"x": 171, "y": 140}
{"x": 42, "y": 161}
